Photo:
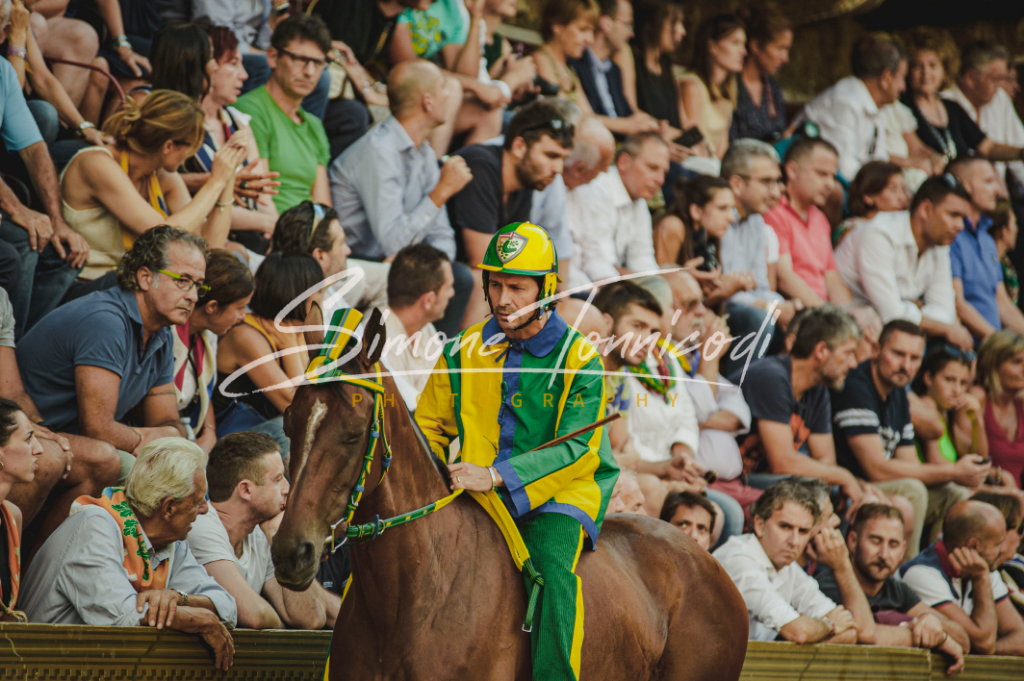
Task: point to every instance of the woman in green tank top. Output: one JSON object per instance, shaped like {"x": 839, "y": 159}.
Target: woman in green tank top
{"x": 943, "y": 384}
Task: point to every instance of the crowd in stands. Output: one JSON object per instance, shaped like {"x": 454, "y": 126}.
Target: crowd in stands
{"x": 825, "y": 391}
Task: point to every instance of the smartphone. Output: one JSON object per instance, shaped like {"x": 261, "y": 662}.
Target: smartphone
{"x": 703, "y": 249}
{"x": 690, "y": 137}
{"x": 985, "y": 461}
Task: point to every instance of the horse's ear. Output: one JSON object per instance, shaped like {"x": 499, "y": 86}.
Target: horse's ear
{"x": 374, "y": 337}
{"x": 315, "y": 335}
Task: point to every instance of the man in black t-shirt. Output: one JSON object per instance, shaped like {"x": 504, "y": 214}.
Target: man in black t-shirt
{"x": 505, "y": 179}
{"x": 875, "y": 439}
{"x": 789, "y": 402}
{"x": 877, "y": 544}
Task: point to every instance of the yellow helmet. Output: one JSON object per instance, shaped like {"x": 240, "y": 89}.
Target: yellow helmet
{"x": 524, "y": 248}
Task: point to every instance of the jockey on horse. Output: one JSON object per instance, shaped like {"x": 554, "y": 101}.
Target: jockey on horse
{"x": 543, "y": 379}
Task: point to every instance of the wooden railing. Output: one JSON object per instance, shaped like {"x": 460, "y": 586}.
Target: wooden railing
{"x": 42, "y": 652}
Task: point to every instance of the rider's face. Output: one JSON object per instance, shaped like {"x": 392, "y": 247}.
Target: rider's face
{"x": 510, "y": 293}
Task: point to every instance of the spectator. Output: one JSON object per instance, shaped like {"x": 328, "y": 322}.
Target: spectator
{"x": 182, "y": 62}
{"x": 221, "y": 305}
{"x": 876, "y": 543}
{"x": 448, "y": 33}
{"x": 942, "y": 385}
{"x": 984, "y": 68}
{"x": 251, "y": 24}
{"x": 1001, "y": 375}
{"x": 111, "y": 559}
{"x": 691, "y": 513}
{"x": 72, "y": 465}
{"x": 1004, "y": 232}
{"x": 942, "y": 123}
{"x": 878, "y": 188}
{"x": 782, "y": 600}
{"x": 21, "y": 450}
{"x": 659, "y": 33}
{"x": 498, "y": 63}
{"x": 50, "y": 253}
{"x": 592, "y": 152}
{"x": 506, "y": 182}
{"x": 626, "y": 495}
{"x": 90, "y": 363}
{"x": 751, "y": 168}
{"x": 612, "y": 229}
{"x": 899, "y": 259}
{"x": 420, "y": 286}
{"x": 981, "y": 299}
{"x": 807, "y": 268}
{"x": 567, "y": 27}
{"x": 709, "y": 93}
{"x": 875, "y": 437}
{"x": 289, "y": 140}
{"x": 955, "y": 576}
{"x": 248, "y": 488}
{"x": 387, "y": 188}
{"x": 601, "y": 78}
{"x": 789, "y": 403}
{"x": 690, "y": 231}
{"x": 101, "y": 196}
{"x": 1010, "y": 505}
{"x": 256, "y": 398}
{"x": 851, "y": 114}
{"x": 760, "y": 107}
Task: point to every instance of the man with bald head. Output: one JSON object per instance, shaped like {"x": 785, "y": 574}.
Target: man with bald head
{"x": 387, "y": 188}
{"x": 982, "y": 303}
{"x": 956, "y": 577}
{"x": 592, "y": 152}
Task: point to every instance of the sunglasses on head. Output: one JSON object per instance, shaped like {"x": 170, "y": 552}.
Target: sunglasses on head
{"x": 318, "y": 218}
{"x": 950, "y": 180}
{"x": 559, "y": 129}
{"x": 967, "y": 355}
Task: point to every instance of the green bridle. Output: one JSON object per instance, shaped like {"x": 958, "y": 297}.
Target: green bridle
{"x": 324, "y": 369}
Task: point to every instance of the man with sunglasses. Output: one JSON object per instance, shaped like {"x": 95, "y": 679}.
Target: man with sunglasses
{"x": 102, "y": 366}
{"x": 506, "y": 181}
{"x": 293, "y": 142}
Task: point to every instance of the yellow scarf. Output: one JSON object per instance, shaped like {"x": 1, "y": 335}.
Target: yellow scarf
{"x": 156, "y": 199}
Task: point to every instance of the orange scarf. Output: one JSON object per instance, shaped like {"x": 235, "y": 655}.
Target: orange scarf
{"x": 14, "y": 562}
{"x": 136, "y": 557}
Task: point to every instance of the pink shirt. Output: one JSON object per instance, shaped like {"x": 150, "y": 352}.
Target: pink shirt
{"x": 808, "y": 243}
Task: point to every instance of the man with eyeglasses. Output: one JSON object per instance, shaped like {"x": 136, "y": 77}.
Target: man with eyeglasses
{"x": 506, "y": 181}
{"x": 102, "y": 366}
{"x": 751, "y": 167}
{"x": 984, "y": 69}
{"x": 293, "y": 142}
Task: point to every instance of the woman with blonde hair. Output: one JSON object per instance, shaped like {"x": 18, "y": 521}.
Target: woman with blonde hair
{"x": 112, "y": 197}
{"x": 1001, "y": 379}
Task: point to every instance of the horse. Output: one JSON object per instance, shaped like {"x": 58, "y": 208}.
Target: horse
{"x": 440, "y": 598}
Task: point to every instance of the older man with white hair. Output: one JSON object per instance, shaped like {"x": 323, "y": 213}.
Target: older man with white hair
{"x": 122, "y": 560}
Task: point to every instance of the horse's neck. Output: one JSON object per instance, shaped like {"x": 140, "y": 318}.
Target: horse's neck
{"x": 422, "y": 551}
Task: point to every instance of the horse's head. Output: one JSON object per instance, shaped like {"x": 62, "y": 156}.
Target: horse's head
{"x": 329, "y": 427}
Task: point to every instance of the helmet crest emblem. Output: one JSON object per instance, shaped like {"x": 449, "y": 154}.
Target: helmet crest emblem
{"x": 509, "y": 246}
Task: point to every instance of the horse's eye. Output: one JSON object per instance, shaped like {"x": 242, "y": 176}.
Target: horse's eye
{"x": 352, "y": 439}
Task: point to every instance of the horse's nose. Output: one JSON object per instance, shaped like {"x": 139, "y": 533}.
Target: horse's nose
{"x": 299, "y": 565}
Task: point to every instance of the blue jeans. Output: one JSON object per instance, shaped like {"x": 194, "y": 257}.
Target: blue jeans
{"x": 259, "y": 73}
{"x": 732, "y": 512}
{"x": 44, "y": 279}
{"x": 275, "y": 429}
{"x": 46, "y": 119}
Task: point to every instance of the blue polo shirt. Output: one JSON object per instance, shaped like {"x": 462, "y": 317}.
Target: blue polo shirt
{"x": 975, "y": 262}
{"x": 102, "y": 329}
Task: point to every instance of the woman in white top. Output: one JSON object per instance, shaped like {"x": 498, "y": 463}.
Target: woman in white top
{"x": 113, "y": 193}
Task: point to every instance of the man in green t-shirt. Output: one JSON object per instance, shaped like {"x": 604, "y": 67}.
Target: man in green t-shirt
{"x": 293, "y": 141}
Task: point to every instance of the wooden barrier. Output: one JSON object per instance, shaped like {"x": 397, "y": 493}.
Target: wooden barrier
{"x": 42, "y": 652}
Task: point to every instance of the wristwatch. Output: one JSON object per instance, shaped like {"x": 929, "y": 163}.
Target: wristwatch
{"x": 85, "y": 125}
{"x": 122, "y": 41}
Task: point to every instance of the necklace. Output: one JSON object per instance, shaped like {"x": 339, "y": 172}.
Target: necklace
{"x": 944, "y": 138}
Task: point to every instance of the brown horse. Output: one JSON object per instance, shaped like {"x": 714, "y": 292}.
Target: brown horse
{"x": 440, "y": 598}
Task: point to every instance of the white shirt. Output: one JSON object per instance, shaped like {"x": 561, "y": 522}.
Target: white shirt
{"x": 402, "y": 353}
{"x": 774, "y": 598}
{"x": 657, "y": 424}
{"x": 998, "y": 120}
{"x": 209, "y": 542}
{"x": 849, "y": 118}
{"x": 610, "y": 229}
{"x": 879, "y": 263}
{"x": 718, "y": 449}
{"x": 935, "y": 588}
